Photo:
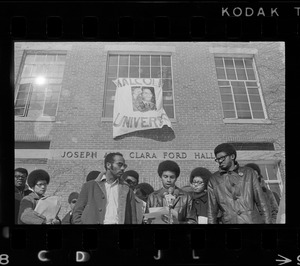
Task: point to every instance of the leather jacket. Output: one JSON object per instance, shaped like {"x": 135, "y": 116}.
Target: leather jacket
{"x": 182, "y": 204}
{"x": 237, "y": 195}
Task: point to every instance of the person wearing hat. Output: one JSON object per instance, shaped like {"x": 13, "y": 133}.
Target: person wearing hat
{"x": 272, "y": 203}
{"x": 168, "y": 172}
{"x": 235, "y": 191}
{"x": 21, "y": 189}
{"x": 72, "y": 201}
{"x": 131, "y": 178}
{"x": 198, "y": 179}
{"x": 38, "y": 181}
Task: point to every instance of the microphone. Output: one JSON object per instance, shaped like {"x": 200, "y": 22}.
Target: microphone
{"x": 169, "y": 197}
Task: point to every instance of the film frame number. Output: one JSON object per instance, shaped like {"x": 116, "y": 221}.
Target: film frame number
{"x": 4, "y": 259}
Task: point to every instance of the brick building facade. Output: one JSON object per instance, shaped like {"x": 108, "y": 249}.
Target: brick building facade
{"x": 216, "y": 92}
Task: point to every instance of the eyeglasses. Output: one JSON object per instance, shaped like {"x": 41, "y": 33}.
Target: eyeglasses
{"x": 74, "y": 201}
{"x": 20, "y": 176}
{"x": 198, "y": 183}
{"x": 42, "y": 184}
{"x": 130, "y": 182}
{"x": 221, "y": 159}
{"x": 122, "y": 165}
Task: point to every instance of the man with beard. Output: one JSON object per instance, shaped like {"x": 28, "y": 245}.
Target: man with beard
{"x": 106, "y": 200}
{"x": 234, "y": 191}
{"x": 21, "y": 189}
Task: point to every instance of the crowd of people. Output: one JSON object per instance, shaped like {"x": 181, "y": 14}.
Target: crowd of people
{"x": 234, "y": 194}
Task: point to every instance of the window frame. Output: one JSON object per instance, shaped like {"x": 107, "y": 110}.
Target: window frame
{"x": 19, "y": 77}
{"x": 252, "y": 120}
{"x": 133, "y": 52}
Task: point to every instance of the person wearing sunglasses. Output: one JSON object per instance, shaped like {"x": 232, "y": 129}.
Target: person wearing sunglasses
{"x": 235, "y": 191}
{"x": 198, "y": 179}
{"x": 38, "y": 180}
{"x": 107, "y": 199}
{"x": 72, "y": 201}
{"x": 131, "y": 178}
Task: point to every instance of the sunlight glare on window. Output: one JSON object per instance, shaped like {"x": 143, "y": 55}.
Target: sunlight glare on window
{"x": 40, "y": 80}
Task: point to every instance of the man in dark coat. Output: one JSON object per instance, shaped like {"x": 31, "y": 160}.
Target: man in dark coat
{"x": 168, "y": 172}
{"x": 106, "y": 200}
{"x": 21, "y": 189}
{"x": 234, "y": 191}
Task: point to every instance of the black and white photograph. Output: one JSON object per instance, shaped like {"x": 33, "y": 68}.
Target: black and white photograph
{"x": 149, "y": 132}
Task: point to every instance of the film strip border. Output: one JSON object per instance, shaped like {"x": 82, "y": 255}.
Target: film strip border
{"x": 158, "y": 21}
{"x": 138, "y": 245}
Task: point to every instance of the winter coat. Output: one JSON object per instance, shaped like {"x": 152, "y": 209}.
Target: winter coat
{"x": 27, "y": 215}
{"x": 236, "y": 194}
{"x": 182, "y": 204}
{"x": 18, "y": 197}
{"x": 90, "y": 207}
{"x": 200, "y": 203}
{"x": 67, "y": 218}
{"x": 272, "y": 204}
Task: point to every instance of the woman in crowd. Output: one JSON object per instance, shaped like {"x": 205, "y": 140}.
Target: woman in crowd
{"x": 38, "y": 180}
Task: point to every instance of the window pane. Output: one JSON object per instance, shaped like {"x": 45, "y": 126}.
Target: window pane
{"x": 225, "y": 90}
{"x": 110, "y": 84}
{"x": 155, "y": 60}
{"x": 109, "y": 110}
{"x": 251, "y": 84}
{"x": 50, "y": 58}
{"x": 145, "y": 60}
{"x": 219, "y": 62}
{"x": 228, "y": 62}
{"x": 168, "y": 97}
{"x": 134, "y": 60}
{"x": 155, "y": 72}
{"x": 226, "y": 98}
{"x": 29, "y": 59}
{"x": 239, "y": 90}
{"x": 275, "y": 188}
{"x": 251, "y": 75}
{"x": 112, "y": 71}
{"x": 253, "y": 91}
{"x": 123, "y": 71}
{"x": 258, "y": 114}
{"x": 241, "y": 74}
{"x": 239, "y": 63}
{"x": 254, "y": 98}
{"x": 19, "y": 111}
{"x": 256, "y": 106}
{"x": 242, "y": 107}
{"x": 50, "y": 109}
{"x": 228, "y": 106}
{"x": 167, "y": 84}
{"x": 229, "y": 114}
{"x": 221, "y": 73}
{"x": 61, "y": 58}
{"x": 244, "y": 115}
{"x": 230, "y": 74}
{"x": 223, "y": 83}
{"x": 113, "y": 60}
{"x": 166, "y": 60}
{"x": 134, "y": 72}
{"x": 40, "y": 58}
{"x": 272, "y": 171}
{"x": 238, "y": 84}
{"x": 166, "y": 72}
{"x": 110, "y": 97}
{"x": 27, "y": 71}
{"x": 145, "y": 72}
{"x": 169, "y": 110}
{"x": 248, "y": 63}
{"x": 123, "y": 61}
{"x": 240, "y": 98}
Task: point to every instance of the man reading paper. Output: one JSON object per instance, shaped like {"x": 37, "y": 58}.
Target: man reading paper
{"x": 171, "y": 196}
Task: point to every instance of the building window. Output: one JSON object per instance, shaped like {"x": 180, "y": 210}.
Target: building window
{"x": 271, "y": 174}
{"x": 139, "y": 66}
{"x": 39, "y": 84}
{"x": 239, "y": 88}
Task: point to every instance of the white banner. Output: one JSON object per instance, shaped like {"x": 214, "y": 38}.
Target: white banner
{"x": 138, "y": 105}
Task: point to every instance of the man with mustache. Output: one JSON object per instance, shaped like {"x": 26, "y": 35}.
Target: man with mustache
{"x": 235, "y": 191}
{"x": 21, "y": 189}
{"x": 107, "y": 199}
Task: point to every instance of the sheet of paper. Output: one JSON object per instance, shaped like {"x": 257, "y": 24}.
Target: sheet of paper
{"x": 48, "y": 206}
{"x": 202, "y": 220}
{"x": 155, "y": 214}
